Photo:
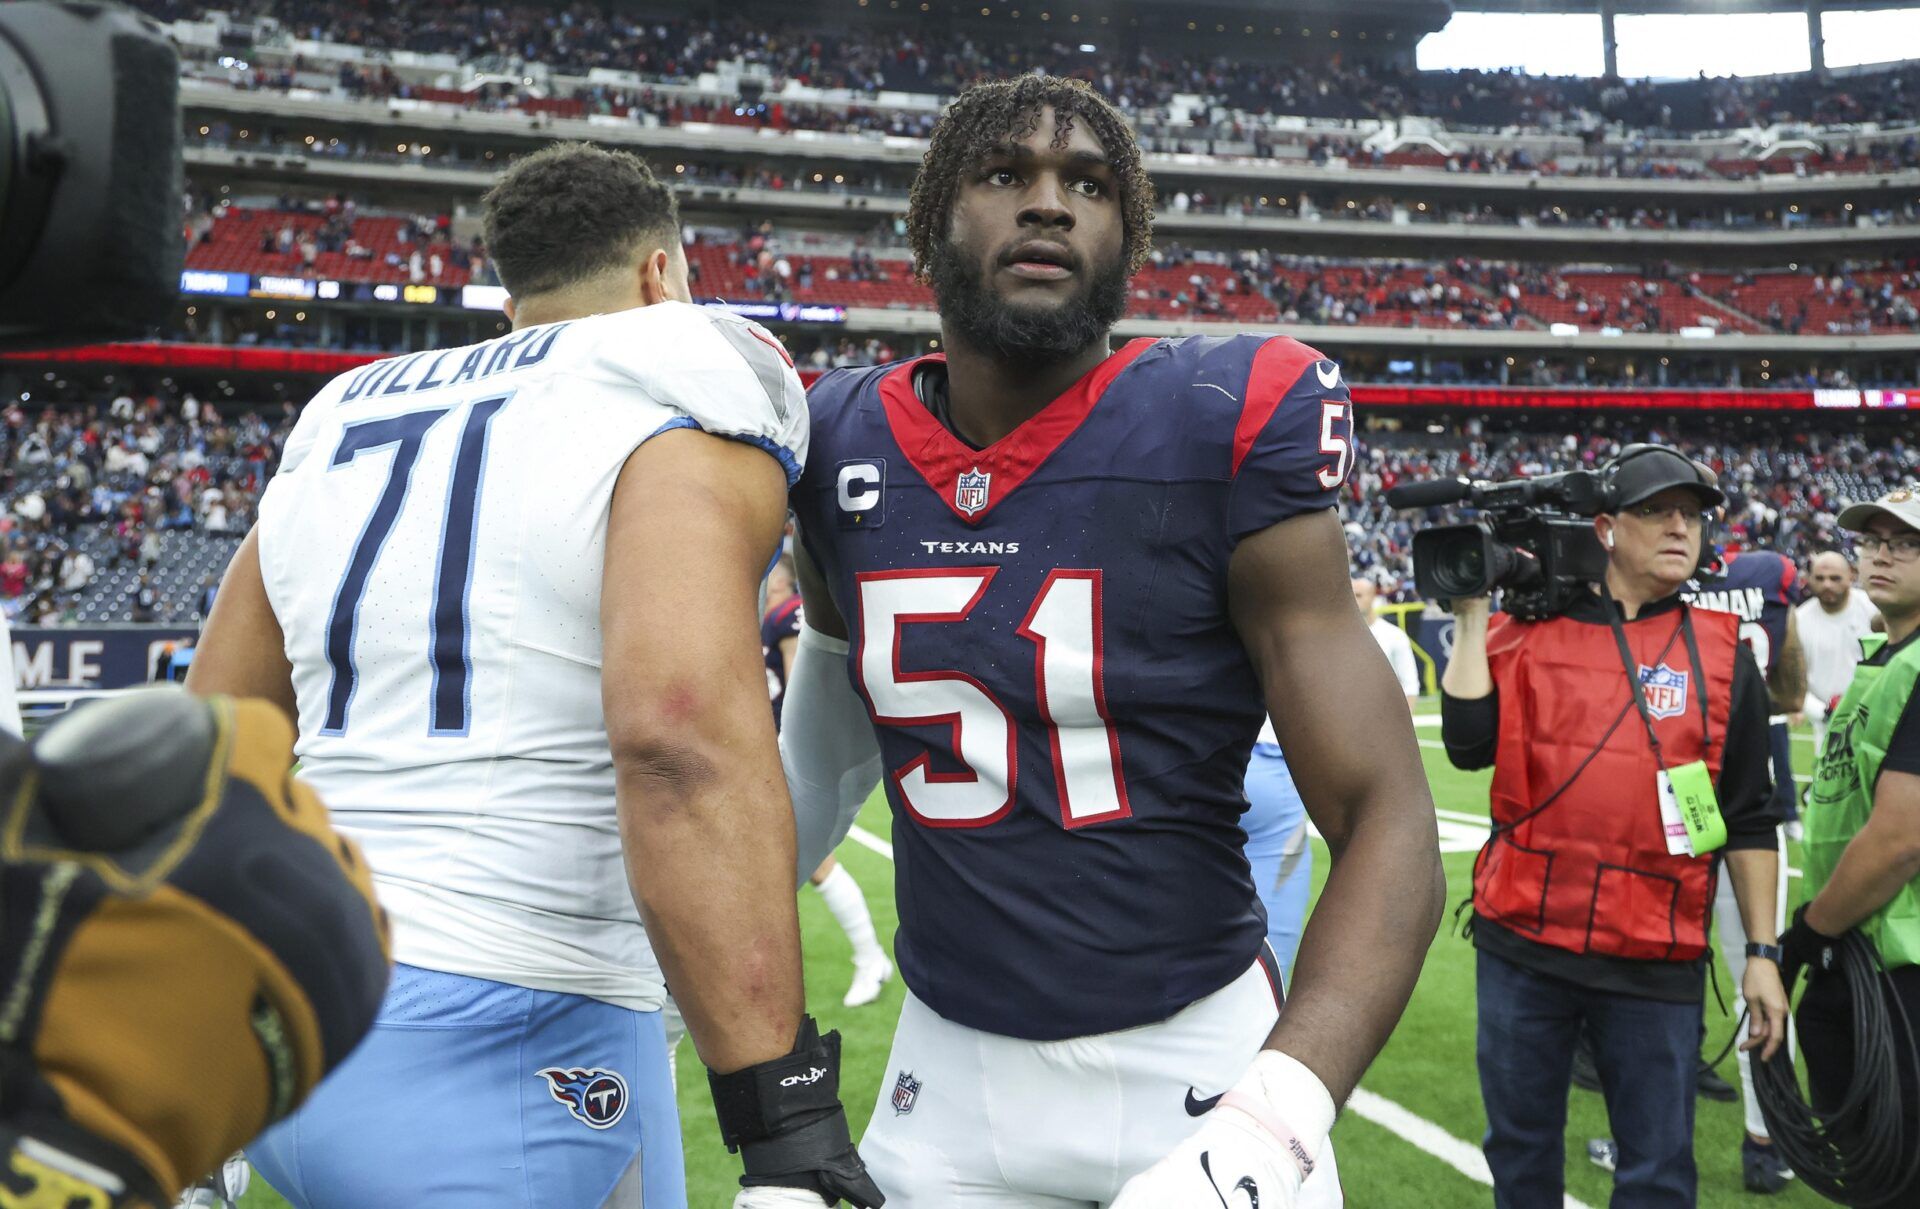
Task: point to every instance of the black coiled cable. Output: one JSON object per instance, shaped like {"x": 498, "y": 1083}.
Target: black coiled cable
{"x": 1853, "y": 1154}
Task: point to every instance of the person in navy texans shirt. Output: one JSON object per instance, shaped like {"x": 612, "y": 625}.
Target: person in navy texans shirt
{"x": 1060, "y": 584}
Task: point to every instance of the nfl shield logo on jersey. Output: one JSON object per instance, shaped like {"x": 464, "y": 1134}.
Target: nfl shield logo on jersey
{"x": 970, "y": 493}
{"x": 1666, "y": 691}
{"x": 596, "y": 1097}
{"x": 905, "y": 1090}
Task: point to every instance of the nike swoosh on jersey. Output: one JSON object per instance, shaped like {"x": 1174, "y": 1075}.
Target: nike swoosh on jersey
{"x": 1196, "y": 1107}
{"x": 1329, "y": 374}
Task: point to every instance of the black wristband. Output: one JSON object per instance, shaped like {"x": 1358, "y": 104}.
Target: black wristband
{"x": 772, "y": 1097}
{"x": 1773, "y": 953}
{"x": 785, "y": 1120}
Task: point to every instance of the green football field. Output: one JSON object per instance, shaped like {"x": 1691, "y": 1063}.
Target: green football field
{"x": 1403, "y": 1143}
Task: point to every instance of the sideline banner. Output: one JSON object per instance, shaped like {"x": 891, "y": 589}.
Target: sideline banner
{"x": 122, "y": 656}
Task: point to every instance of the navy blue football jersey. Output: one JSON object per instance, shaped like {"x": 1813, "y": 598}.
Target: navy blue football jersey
{"x": 781, "y": 621}
{"x": 1760, "y": 588}
{"x": 1040, "y": 632}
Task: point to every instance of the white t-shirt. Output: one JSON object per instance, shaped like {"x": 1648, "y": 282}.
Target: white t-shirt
{"x": 1832, "y": 642}
{"x": 433, "y": 549}
{"x": 1399, "y": 651}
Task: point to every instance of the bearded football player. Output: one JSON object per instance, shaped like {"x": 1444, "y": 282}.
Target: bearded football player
{"x": 1059, "y": 585}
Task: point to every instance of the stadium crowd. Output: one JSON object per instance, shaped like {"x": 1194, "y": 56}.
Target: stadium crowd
{"x": 101, "y": 495}
{"x": 138, "y": 499}
{"x": 335, "y": 237}
{"x": 582, "y": 37}
{"x": 844, "y": 180}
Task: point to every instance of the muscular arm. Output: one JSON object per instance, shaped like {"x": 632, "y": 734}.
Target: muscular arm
{"x": 703, "y": 809}
{"x": 1358, "y": 767}
{"x": 241, "y": 652}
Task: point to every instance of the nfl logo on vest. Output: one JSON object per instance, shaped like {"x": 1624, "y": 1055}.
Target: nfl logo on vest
{"x": 1666, "y": 691}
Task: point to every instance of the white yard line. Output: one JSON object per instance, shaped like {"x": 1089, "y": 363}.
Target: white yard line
{"x": 867, "y": 839}
{"x": 1464, "y": 1157}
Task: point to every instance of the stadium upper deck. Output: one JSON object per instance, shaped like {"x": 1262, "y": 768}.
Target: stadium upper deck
{"x": 1275, "y": 142}
{"x": 1269, "y": 70}
{"x": 1486, "y": 227}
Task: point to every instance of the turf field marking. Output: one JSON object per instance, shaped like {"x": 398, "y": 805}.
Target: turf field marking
{"x": 1464, "y": 1157}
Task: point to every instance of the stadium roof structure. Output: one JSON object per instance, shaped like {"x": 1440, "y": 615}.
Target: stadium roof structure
{"x": 1704, "y": 7}
{"x": 1308, "y": 25}
{"x": 1608, "y": 10}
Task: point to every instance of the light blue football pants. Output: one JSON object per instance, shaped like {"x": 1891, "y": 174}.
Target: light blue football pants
{"x": 1276, "y": 825}
{"x": 470, "y": 1094}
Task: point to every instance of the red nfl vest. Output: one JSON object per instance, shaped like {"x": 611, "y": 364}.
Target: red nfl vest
{"x": 1588, "y": 870}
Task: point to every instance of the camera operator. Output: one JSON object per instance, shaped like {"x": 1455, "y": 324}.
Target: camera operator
{"x": 1863, "y": 823}
{"x": 1592, "y": 897}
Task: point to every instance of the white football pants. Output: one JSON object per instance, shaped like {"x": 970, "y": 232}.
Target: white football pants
{"x": 977, "y": 1120}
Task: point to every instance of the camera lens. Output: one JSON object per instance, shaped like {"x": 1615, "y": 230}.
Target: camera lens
{"x": 1470, "y": 564}
{"x": 1460, "y": 565}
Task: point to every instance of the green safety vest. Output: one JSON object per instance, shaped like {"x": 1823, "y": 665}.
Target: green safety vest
{"x": 1841, "y": 797}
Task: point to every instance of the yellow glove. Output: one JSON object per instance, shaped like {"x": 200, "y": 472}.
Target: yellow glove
{"x": 186, "y": 946}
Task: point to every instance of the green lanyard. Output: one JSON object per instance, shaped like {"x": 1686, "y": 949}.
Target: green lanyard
{"x": 1686, "y": 790}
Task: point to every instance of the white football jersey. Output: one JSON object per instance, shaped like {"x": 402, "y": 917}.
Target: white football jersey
{"x": 433, "y": 547}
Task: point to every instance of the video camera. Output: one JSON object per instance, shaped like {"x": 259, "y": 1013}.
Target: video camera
{"x": 1535, "y": 543}
{"x": 90, "y": 176}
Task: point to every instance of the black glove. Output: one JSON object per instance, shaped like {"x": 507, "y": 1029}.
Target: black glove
{"x": 785, "y": 1120}
{"x": 1802, "y": 946}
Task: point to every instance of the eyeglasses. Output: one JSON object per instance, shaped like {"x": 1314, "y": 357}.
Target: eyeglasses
{"x": 1692, "y": 518}
{"x": 1902, "y": 549}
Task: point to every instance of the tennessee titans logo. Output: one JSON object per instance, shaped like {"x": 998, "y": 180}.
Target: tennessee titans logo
{"x": 905, "y": 1091}
{"x": 597, "y": 1098}
{"x": 1665, "y": 689}
{"x": 970, "y": 491}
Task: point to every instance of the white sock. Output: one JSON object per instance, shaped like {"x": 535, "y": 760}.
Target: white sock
{"x": 842, "y": 896}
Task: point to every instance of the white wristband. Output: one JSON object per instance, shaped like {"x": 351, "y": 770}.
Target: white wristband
{"x": 1289, "y": 1100}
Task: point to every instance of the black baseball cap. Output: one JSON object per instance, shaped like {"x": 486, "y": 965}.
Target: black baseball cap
{"x": 1644, "y": 471}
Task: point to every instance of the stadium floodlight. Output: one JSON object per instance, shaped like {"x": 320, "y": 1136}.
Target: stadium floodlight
{"x": 90, "y": 175}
